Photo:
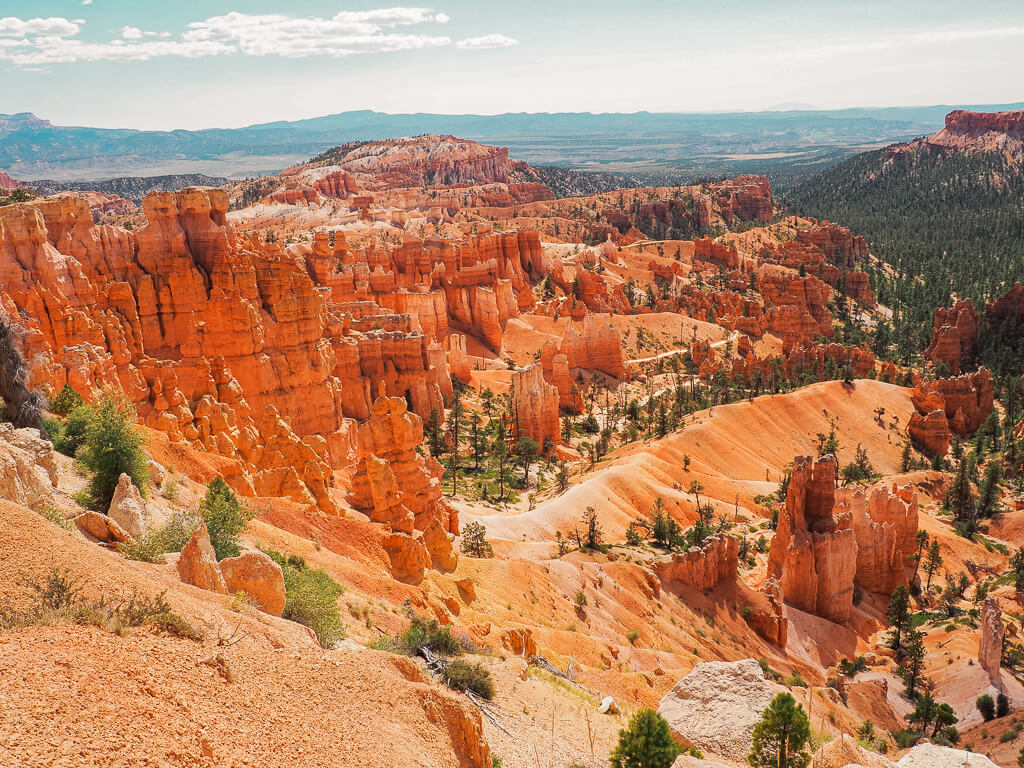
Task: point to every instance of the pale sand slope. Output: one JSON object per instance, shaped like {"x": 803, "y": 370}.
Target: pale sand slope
{"x": 737, "y": 451}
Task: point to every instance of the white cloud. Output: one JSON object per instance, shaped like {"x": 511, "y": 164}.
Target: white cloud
{"x": 86, "y": 2}
{"x": 347, "y": 33}
{"x": 487, "y": 41}
{"x": 12, "y": 26}
{"x": 840, "y": 47}
{"x": 54, "y": 40}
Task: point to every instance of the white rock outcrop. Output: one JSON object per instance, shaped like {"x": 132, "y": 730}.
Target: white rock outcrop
{"x": 128, "y": 508}
{"x": 716, "y": 706}
{"x": 933, "y": 756}
{"x": 845, "y": 752}
{"x": 28, "y": 470}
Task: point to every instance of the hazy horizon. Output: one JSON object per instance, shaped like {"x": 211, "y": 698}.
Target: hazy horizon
{"x": 193, "y": 64}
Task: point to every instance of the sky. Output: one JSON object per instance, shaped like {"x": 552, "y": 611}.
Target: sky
{"x": 157, "y": 64}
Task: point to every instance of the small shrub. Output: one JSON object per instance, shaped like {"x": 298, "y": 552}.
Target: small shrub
{"x": 171, "y": 623}
{"x": 68, "y": 435}
{"x": 462, "y": 675}
{"x": 1007, "y": 736}
{"x": 581, "y": 600}
{"x": 112, "y": 447}
{"x": 429, "y": 634}
{"x": 849, "y": 668}
{"x": 225, "y": 517}
{"x": 57, "y": 598}
{"x": 65, "y": 401}
{"x": 171, "y": 488}
{"x": 904, "y": 739}
{"x": 311, "y": 598}
{"x": 746, "y": 612}
{"x": 986, "y": 706}
{"x": 56, "y": 517}
{"x": 172, "y": 537}
{"x": 1002, "y": 705}
{"x": 796, "y": 680}
{"x": 633, "y": 635}
{"x": 474, "y": 541}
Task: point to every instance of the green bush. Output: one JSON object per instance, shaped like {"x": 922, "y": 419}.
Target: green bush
{"x": 646, "y": 743}
{"x": 986, "y": 706}
{"x": 66, "y": 400}
{"x": 112, "y": 446}
{"x": 57, "y": 598}
{"x": 796, "y": 680}
{"x": 225, "y": 517}
{"x": 462, "y": 675}
{"x": 172, "y": 537}
{"x": 429, "y": 634}
{"x": 904, "y": 738}
{"x": 311, "y": 598}
{"x": 68, "y": 434}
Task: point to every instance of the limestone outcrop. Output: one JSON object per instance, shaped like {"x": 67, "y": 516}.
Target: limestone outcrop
{"x": 954, "y": 336}
{"x": 770, "y": 622}
{"x": 928, "y": 755}
{"x": 438, "y": 542}
{"x": 845, "y": 752}
{"x": 715, "y": 707}
{"x": 814, "y": 553}
{"x": 28, "y": 470}
{"x": 885, "y": 524}
{"x": 535, "y": 406}
{"x": 201, "y": 328}
{"x": 990, "y": 647}
{"x": 962, "y": 402}
{"x": 197, "y": 564}
{"x": 101, "y": 528}
{"x": 128, "y": 508}
{"x": 256, "y": 574}
{"x": 409, "y": 557}
{"x": 701, "y": 567}
{"x": 595, "y": 345}
{"x": 393, "y": 483}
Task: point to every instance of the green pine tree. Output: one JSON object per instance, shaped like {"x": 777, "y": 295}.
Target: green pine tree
{"x": 646, "y": 743}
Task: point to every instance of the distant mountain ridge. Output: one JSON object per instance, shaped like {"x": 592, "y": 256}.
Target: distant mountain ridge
{"x": 641, "y": 143}
{"x": 132, "y": 188}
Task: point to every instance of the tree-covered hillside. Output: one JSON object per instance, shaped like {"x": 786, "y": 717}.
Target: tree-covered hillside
{"x": 947, "y": 224}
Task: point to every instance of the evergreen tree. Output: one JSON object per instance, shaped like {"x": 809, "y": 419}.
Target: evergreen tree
{"x": 225, "y": 517}
{"x": 594, "y": 534}
{"x": 898, "y": 614}
{"x": 780, "y": 738}
{"x": 922, "y": 541}
{"x": 526, "y": 451}
{"x": 500, "y": 452}
{"x": 646, "y": 743}
{"x": 912, "y": 669}
{"x": 433, "y": 430}
{"x": 932, "y": 561}
{"x": 474, "y": 540}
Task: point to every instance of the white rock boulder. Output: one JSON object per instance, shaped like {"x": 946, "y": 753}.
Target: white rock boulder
{"x": 716, "y": 706}
{"x": 128, "y": 508}
{"x": 933, "y": 756}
